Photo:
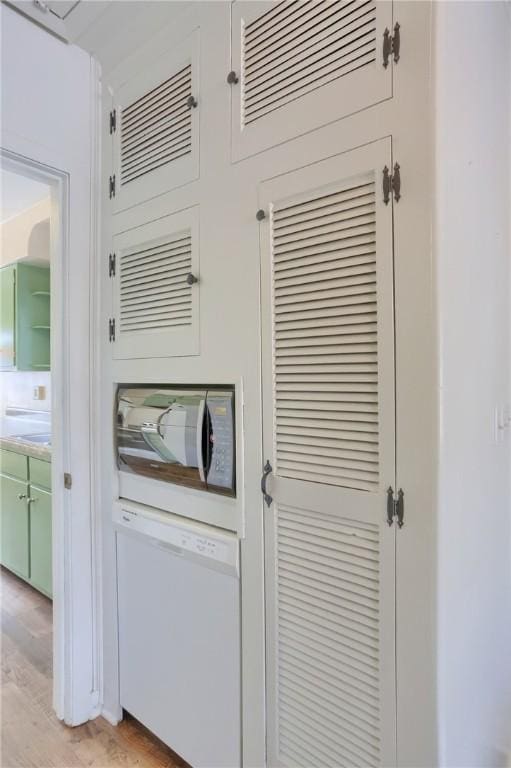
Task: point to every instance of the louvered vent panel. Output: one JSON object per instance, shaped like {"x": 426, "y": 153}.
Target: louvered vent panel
{"x": 328, "y": 644}
{"x": 154, "y": 293}
{"x": 325, "y": 338}
{"x": 297, "y": 47}
{"x": 157, "y": 128}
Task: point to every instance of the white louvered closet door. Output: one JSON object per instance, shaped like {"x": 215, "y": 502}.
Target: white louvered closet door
{"x": 156, "y": 302}
{"x": 302, "y": 64}
{"x": 156, "y": 138}
{"x": 329, "y": 435}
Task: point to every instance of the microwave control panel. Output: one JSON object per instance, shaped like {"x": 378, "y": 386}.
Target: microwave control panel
{"x": 220, "y": 407}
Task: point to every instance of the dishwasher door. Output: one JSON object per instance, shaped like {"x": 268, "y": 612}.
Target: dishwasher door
{"x": 179, "y": 633}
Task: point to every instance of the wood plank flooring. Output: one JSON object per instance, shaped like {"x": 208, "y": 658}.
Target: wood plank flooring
{"x": 31, "y": 735}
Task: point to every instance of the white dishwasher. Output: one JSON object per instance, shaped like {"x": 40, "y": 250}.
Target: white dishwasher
{"x": 179, "y": 633}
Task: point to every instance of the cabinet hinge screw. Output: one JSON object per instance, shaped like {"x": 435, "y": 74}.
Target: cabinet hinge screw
{"x": 232, "y": 78}
{"x": 260, "y": 215}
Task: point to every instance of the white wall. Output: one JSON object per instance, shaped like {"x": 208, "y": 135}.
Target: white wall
{"x": 25, "y": 236}
{"x": 472, "y": 202}
{"x": 47, "y": 115}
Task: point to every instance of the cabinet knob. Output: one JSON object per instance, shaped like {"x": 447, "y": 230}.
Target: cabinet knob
{"x": 191, "y": 279}
{"x": 22, "y": 496}
{"x": 31, "y": 500}
{"x": 191, "y": 102}
{"x": 232, "y": 78}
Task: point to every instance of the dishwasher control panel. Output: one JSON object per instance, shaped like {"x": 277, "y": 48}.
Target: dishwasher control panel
{"x": 179, "y": 535}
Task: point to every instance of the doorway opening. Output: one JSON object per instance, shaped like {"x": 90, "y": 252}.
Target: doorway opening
{"x": 34, "y": 400}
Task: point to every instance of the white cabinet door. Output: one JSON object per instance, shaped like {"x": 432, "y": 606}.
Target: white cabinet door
{"x": 156, "y": 138}
{"x": 156, "y": 288}
{"x": 301, "y": 65}
{"x": 329, "y": 436}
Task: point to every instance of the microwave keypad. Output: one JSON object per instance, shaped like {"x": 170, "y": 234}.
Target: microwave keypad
{"x": 222, "y": 443}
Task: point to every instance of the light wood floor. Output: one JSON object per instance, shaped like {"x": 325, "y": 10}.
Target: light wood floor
{"x": 31, "y": 735}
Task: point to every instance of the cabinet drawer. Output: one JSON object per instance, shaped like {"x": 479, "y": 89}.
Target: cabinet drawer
{"x": 14, "y": 464}
{"x": 40, "y": 473}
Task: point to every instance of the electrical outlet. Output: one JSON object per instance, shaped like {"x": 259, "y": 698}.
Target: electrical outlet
{"x": 39, "y": 393}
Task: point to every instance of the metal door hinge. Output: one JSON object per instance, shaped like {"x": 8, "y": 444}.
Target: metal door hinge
{"x": 111, "y": 329}
{"x": 391, "y": 45}
{"x": 113, "y": 121}
{"x": 395, "y": 506}
{"x": 391, "y": 181}
{"x": 68, "y": 481}
{"x": 111, "y": 186}
{"x": 111, "y": 264}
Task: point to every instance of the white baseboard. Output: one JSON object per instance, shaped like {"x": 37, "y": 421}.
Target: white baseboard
{"x": 113, "y": 719}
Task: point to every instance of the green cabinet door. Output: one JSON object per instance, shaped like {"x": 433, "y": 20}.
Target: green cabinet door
{"x": 40, "y": 540}
{"x": 7, "y": 317}
{"x": 14, "y": 527}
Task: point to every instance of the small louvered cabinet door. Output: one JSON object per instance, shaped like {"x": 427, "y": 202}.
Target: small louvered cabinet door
{"x": 302, "y": 65}
{"x": 329, "y": 434}
{"x": 156, "y": 139}
{"x": 156, "y": 304}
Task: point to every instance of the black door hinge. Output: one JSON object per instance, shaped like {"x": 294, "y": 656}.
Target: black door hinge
{"x": 111, "y": 264}
{"x": 395, "y": 506}
{"x": 111, "y": 329}
{"x": 391, "y": 181}
{"x": 111, "y": 186}
{"x": 113, "y": 121}
{"x": 391, "y": 45}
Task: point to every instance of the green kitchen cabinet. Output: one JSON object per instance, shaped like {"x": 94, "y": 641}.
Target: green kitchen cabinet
{"x": 40, "y": 540}
{"x": 14, "y": 527}
{"x": 26, "y": 518}
{"x": 25, "y": 317}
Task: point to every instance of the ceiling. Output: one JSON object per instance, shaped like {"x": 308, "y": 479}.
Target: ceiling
{"x": 18, "y": 193}
{"x": 107, "y": 29}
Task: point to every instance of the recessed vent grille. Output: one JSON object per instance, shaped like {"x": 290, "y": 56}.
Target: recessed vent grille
{"x": 157, "y": 128}
{"x": 328, "y": 644}
{"x": 297, "y": 47}
{"x": 325, "y": 338}
{"x": 154, "y": 293}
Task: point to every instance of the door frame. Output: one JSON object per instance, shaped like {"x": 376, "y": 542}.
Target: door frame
{"x": 74, "y": 556}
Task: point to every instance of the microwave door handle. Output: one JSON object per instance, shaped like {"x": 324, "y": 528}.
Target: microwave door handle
{"x": 200, "y": 425}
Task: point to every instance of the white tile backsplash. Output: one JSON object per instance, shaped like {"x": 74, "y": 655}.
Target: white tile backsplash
{"x": 17, "y": 391}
